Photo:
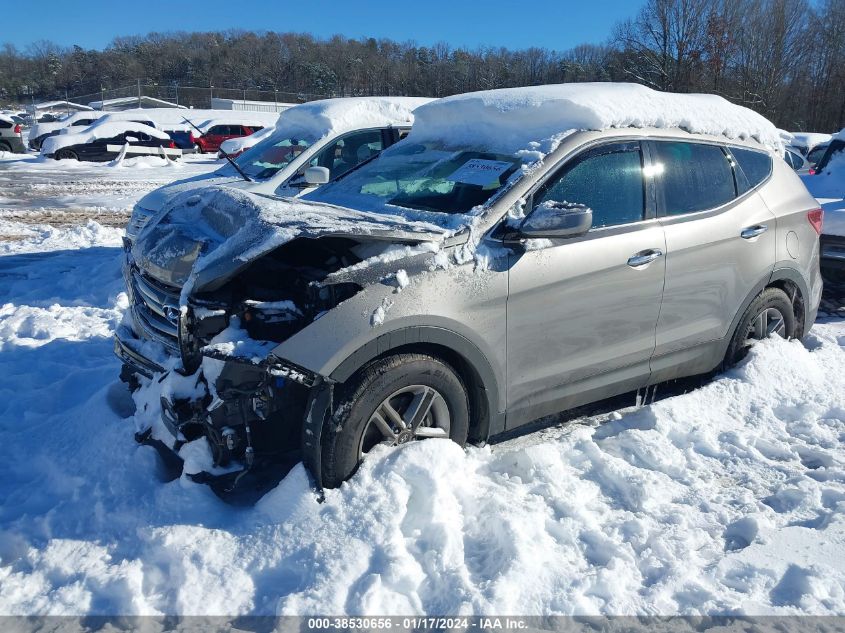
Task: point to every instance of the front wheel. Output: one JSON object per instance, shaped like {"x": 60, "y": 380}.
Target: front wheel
{"x": 770, "y": 314}
{"x": 68, "y": 154}
{"x": 393, "y": 401}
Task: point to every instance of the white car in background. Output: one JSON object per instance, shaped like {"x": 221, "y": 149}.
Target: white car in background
{"x": 78, "y": 120}
{"x": 312, "y": 143}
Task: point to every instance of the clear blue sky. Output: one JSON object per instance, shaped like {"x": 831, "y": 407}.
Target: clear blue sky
{"x": 513, "y": 24}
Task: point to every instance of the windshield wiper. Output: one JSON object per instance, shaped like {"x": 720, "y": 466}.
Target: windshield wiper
{"x": 222, "y": 151}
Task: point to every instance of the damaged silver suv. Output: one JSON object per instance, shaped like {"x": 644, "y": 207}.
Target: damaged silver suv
{"x": 521, "y": 252}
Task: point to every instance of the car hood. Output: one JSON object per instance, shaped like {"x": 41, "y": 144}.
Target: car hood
{"x": 155, "y": 200}
{"x": 203, "y": 238}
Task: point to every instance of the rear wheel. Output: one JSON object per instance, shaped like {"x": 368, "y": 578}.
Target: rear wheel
{"x": 393, "y": 401}
{"x": 64, "y": 154}
{"x": 5, "y": 147}
{"x": 770, "y": 314}
{"x": 197, "y": 148}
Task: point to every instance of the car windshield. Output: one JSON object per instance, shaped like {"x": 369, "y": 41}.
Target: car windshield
{"x": 271, "y": 155}
{"x": 423, "y": 176}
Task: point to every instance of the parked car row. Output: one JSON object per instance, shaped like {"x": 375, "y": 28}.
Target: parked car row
{"x": 186, "y": 136}
{"x": 516, "y": 253}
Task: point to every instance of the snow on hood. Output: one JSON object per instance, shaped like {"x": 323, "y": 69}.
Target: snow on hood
{"x": 243, "y": 143}
{"x": 96, "y": 131}
{"x": 514, "y": 120}
{"x": 210, "y": 234}
{"x": 155, "y": 200}
{"x": 317, "y": 119}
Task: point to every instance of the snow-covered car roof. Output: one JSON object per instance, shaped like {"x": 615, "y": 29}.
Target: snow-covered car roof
{"x": 104, "y": 129}
{"x": 49, "y": 126}
{"x": 534, "y": 119}
{"x": 317, "y": 119}
{"x": 809, "y": 139}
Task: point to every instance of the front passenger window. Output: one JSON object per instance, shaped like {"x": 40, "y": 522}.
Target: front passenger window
{"x": 607, "y": 179}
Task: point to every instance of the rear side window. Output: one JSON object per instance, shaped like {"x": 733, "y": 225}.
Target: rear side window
{"x": 756, "y": 166}
{"x": 692, "y": 176}
{"x": 607, "y": 179}
{"x": 5, "y": 124}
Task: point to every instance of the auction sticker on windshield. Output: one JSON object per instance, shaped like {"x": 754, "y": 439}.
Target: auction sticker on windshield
{"x": 478, "y": 171}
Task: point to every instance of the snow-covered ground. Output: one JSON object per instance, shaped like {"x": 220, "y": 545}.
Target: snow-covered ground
{"x": 37, "y": 195}
{"x": 726, "y": 499}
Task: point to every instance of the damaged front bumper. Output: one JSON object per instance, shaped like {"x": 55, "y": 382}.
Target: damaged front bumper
{"x": 258, "y": 415}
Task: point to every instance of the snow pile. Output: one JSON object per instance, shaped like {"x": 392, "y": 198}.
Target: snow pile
{"x": 317, "y": 119}
{"x": 41, "y": 238}
{"x": 534, "y": 119}
{"x": 106, "y": 129}
{"x": 234, "y": 146}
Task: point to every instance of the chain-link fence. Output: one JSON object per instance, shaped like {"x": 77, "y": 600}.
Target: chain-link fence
{"x": 146, "y": 95}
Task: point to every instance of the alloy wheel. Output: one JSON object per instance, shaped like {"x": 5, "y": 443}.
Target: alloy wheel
{"x": 410, "y": 413}
{"x": 770, "y": 321}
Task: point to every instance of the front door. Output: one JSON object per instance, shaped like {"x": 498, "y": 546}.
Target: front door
{"x": 582, "y": 312}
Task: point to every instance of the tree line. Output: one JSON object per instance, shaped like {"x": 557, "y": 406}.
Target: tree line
{"x": 782, "y": 58}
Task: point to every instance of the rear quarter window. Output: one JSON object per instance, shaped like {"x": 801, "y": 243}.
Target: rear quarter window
{"x": 692, "y": 176}
{"x": 755, "y": 166}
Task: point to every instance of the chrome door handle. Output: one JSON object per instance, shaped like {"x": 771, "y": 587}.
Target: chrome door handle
{"x": 750, "y": 232}
{"x": 644, "y": 257}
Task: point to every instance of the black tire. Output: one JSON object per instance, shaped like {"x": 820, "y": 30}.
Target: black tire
{"x": 197, "y": 148}
{"x": 771, "y": 299}
{"x": 359, "y": 398}
{"x": 5, "y": 147}
{"x": 63, "y": 154}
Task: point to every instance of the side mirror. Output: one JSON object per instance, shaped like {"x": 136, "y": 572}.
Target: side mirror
{"x": 556, "y": 220}
{"x": 317, "y": 175}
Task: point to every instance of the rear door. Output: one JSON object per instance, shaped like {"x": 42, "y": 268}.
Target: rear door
{"x": 720, "y": 243}
{"x": 582, "y": 312}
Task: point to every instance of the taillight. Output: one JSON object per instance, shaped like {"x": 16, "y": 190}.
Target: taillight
{"x": 18, "y": 128}
{"x": 172, "y": 145}
{"x": 816, "y": 218}
{"x": 812, "y": 171}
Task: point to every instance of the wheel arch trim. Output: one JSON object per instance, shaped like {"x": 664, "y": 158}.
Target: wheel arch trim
{"x": 491, "y": 419}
